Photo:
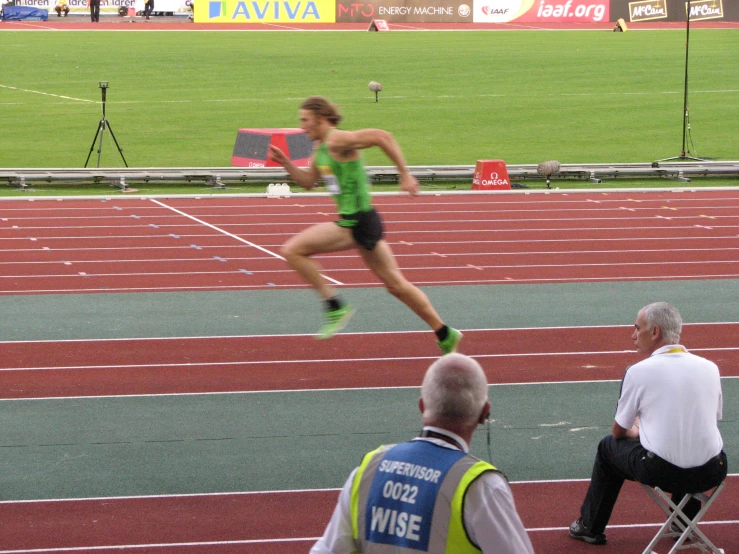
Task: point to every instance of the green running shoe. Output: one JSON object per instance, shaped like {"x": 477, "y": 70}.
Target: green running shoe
{"x": 451, "y": 342}
{"x": 336, "y": 320}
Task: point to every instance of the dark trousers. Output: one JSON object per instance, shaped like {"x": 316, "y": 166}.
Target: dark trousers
{"x": 618, "y": 460}
{"x": 148, "y": 8}
{"x": 95, "y": 10}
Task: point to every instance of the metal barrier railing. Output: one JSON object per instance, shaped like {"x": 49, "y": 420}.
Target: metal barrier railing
{"x": 220, "y": 177}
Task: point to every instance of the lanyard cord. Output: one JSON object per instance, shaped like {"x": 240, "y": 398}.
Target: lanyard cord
{"x": 435, "y": 435}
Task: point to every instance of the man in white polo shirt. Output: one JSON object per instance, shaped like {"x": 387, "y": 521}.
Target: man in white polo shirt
{"x": 665, "y": 432}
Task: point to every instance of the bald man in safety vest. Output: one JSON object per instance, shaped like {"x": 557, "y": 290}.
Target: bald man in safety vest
{"x": 429, "y": 494}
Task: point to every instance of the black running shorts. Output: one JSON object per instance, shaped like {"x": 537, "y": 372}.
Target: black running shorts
{"x": 368, "y": 230}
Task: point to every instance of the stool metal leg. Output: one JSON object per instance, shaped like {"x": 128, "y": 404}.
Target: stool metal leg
{"x": 676, "y": 517}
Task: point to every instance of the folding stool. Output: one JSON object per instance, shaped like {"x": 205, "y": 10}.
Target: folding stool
{"x": 689, "y": 536}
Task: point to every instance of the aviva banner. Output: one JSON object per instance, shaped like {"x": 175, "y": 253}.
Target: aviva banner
{"x": 265, "y": 11}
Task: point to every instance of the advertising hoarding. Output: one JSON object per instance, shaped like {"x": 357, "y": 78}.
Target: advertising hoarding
{"x": 674, "y": 10}
{"x": 541, "y": 11}
{"x": 441, "y": 11}
{"x": 473, "y": 11}
{"x": 265, "y": 11}
{"x": 109, "y": 7}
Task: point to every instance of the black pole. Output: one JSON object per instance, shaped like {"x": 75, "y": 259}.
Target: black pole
{"x": 685, "y": 92}
{"x": 686, "y": 118}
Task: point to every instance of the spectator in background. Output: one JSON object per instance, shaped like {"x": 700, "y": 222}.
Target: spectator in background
{"x": 148, "y": 8}
{"x": 62, "y": 6}
{"x": 429, "y": 494}
{"x": 95, "y": 10}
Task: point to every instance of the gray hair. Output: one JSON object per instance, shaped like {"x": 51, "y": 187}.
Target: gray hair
{"x": 454, "y": 390}
{"x": 667, "y": 318}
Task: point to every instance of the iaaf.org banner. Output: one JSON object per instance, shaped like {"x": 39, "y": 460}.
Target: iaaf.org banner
{"x": 546, "y": 11}
{"x": 440, "y": 11}
{"x": 265, "y": 11}
{"x": 674, "y": 10}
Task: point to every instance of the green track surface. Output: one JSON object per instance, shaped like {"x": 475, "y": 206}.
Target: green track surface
{"x": 92, "y": 447}
{"x": 195, "y": 314}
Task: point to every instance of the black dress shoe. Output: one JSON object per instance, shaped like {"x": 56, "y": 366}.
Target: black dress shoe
{"x": 580, "y": 532}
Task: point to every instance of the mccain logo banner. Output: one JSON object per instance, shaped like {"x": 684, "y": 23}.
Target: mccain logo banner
{"x": 674, "y": 10}
{"x": 705, "y": 9}
{"x": 647, "y": 10}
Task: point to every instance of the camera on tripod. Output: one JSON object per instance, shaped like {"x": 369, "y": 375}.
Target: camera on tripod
{"x": 102, "y": 125}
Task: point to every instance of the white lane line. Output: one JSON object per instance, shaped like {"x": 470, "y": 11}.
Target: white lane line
{"x": 362, "y": 333}
{"x": 415, "y": 243}
{"x": 257, "y": 493}
{"x": 682, "y": 198}
{"x": 336, "y": 360}
{"x": 404, "y": 269}
{"x": 358, "y": 334}
{"x": 297, "y": 539}
{"x": 340, "y": 389}
{"x": 415, "y": 222}
{"x": 232, "y": 236}
{"x": 507, "y": 281}
{"x": 407, "y": 233}
{"x": 310, "y": 210}
{"x": 660, "y": 251}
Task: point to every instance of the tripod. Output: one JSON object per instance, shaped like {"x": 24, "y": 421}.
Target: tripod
{"x": 686, "y": 118}
{"x": 101, "y": 131}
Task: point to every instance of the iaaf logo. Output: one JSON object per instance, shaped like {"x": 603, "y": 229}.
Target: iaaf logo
{"x": 646, "y": 10}
{"x": 499, "y": 11}
{"x": 492, "y": 10}
{"x": 705, "y": 9}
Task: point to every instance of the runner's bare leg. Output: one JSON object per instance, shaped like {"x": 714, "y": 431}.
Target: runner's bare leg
{"x": 382, "y": 262}
{"x": 317, "y": 239}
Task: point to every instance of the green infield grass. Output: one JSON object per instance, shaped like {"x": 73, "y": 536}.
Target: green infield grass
{"x": 178, "y": 98}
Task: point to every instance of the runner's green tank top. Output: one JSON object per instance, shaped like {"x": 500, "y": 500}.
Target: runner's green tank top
{"x": 347, "y": 182}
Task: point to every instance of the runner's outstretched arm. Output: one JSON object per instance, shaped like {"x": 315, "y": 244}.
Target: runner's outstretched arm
{"x": 366, "y": 138}
{"x": 306, "y": 178}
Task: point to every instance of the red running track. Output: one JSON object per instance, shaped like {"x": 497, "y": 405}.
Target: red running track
{"x": 688, "y": 228}
{"x": 50, "y": 246}
{"x": 257, "y": 363}
{"x": 246, "y": 523}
